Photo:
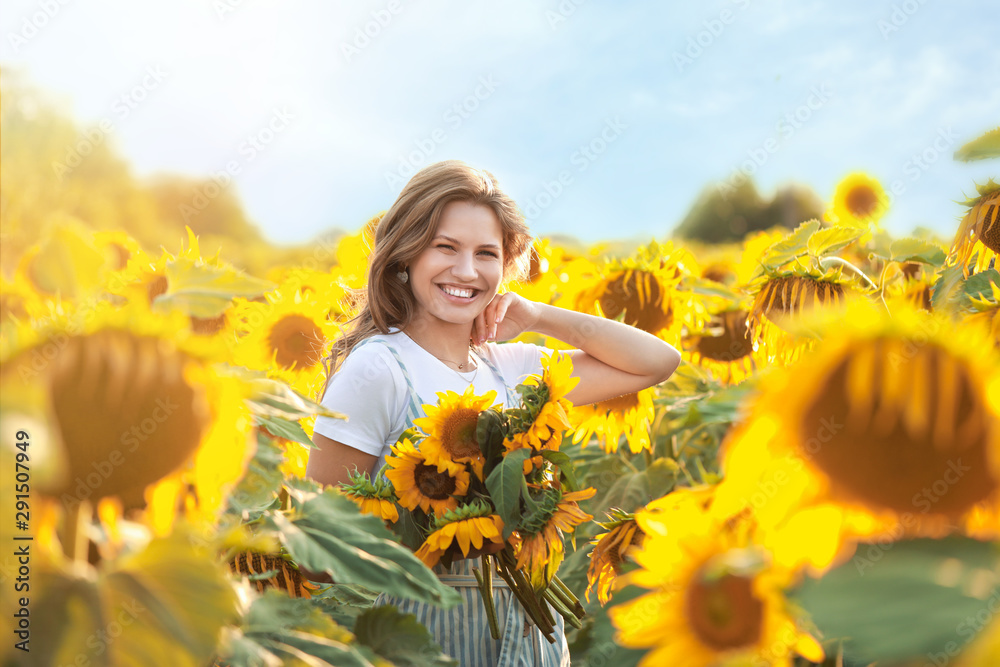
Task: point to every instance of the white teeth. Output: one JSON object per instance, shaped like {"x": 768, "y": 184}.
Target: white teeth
{"x": 465, "y": 293}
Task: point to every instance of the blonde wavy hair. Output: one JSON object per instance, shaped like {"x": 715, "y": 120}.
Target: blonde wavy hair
{"x": 407, "y": 229}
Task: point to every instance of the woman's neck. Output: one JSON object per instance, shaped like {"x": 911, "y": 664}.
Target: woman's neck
{"x": 446, "y": 341}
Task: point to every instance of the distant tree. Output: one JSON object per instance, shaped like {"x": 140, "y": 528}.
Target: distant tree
{"x": 202, "y": 205}
{"x": 724, "y": 213}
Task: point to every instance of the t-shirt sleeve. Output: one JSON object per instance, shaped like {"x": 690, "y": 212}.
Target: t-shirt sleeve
{"x": 371, "y": 390}
{"x": 518, "y": 360}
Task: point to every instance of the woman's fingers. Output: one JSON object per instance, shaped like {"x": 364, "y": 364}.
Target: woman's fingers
{"x": 501, "y": 312}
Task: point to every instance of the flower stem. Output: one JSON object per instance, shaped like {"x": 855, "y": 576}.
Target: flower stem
{"x": 76, "y": 542}
{"x": 486, "y": 589}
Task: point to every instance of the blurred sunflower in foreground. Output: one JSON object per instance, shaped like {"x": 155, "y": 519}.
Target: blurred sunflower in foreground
{"x": 137, "y": 418}
{"x": 714, "y": 597}
{"x": 891, "y": 426}
{"x": 979, "y": 232}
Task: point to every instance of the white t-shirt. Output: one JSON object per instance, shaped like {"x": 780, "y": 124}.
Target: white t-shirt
{"x": 369, "y": 387}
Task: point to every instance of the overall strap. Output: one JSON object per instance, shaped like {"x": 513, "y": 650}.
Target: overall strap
{"x": 413, "y": 408}
{"x": 513, "y": 399}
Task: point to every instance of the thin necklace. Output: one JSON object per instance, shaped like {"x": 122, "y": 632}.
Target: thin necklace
{"x": 460, "y": 366}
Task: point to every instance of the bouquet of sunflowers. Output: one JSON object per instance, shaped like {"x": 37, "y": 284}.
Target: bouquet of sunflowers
{"x": 473, "y": 480}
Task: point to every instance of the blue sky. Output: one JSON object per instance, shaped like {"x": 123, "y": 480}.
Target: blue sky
{"x": 603, "y": 120}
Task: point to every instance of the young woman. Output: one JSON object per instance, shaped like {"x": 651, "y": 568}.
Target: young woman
{"x": 429, "y": 322}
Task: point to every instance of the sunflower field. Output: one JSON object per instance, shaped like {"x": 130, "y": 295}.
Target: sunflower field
{"x": 817, "y": 484}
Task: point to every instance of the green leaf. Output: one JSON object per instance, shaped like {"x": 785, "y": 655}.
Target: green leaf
{"x": 979, "y": 285}
{"x": 258, "y": 489}
{"x": 905, "y": 600}
{"x": 792, "y": 246}
{"x": 285, "y": 428}
{"x": 947, "y": 291}
{"x": 399, "y": 638}
{"x": 329, "y": 534}
{"x": 162, "y": 606}
{"x": 563, "y": 461}
{"x": 203, "y": 290}
{"x": 830, "y": 240}
{"x": 917, "y": 250}
{"x": 504, "y": 485}
{"x": 596, "y": 644}
{"x": 981, "y": 148}
{"x": 296, "y": 644}
{"x": 489, "y": 434}
{"x": 271, "y": 398}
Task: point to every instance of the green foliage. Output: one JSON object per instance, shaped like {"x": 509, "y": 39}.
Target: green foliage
{"x": 203, "y": 290}
{"x": 906, "y": 600}
{"x": 258, "y": 489}
{"x": 980, "y": 148}
{"x": 163, "y": 605}
{"x": 730, "y": 211}
{"x": 505, "y": 484}
{"x": 327, "y": 533}
{"x": 917, "y": 250}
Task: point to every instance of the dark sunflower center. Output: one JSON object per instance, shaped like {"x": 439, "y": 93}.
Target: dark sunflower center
{"x": 724, "y": 613}
{"x": 114, "y": 392}
{"x": 639, "y": 295}
{"x": 988, "y": 226}
{"x": 208, "y": 325}
{"x": 909, "y": 432}
{"x": 296, "y": 341}
{"x": 793, "y": 294}
{"x": 433, "y": 484}
{"x": 733, "y": 343}
{"x": 861, "y": 201}
{"x": 458, "y": 435}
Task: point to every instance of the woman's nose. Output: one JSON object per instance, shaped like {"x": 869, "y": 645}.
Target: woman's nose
{"x": 464, "y": 267}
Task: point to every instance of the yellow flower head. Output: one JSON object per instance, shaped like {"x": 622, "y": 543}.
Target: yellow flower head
{"x": 610, "y": 551}
{"x": 890, "y": 426}
{"x": 715, "y": 599}
{"x": 468, "y": 527}
{"x": 539, "y": 544}
{"x": 723, "y": 346}
{"x": 629, "y": 415}
{"x": 979, "y": 231}
{"x": 420, "y": 483}
{"x": 450, "y": 427}
{"x": 859, "y": 201}
{"x": 376, "y": 498}
{"x": 546, "y": 410}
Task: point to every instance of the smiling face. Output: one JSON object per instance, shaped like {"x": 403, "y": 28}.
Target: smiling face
{"x": 457, "y": 275}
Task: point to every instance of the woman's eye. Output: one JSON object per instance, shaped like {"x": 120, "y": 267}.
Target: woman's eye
{"x": 445, "y": 246}
{"x": 488, "y": 253}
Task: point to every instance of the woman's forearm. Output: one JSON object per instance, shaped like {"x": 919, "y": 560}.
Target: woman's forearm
{"x": 616, "y": 344}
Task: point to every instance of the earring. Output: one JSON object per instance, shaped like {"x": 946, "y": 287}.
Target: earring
{"x": 403, "y": 276}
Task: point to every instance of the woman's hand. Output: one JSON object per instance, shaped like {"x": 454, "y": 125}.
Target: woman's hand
{"x": 506, "y": 316}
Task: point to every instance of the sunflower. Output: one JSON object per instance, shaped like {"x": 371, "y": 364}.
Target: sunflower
{"x": 859, "y": 201}
{"x": 136, "y": 410}
{"x": 610, "y": 550}
{"x": 629, "y": 415}
{"x": 642, "y": 290}
{"x": 287, "y": 337}
{"x": 715, "y": 599}
{"x": 467, "y": 527}
{"x": 786, "y": 295}
{"x": 891, "y": 426}
{"x": 979, "y": 230}
{"x": 724, "y": 346}
{"x": 450, "y": 427}
{"x": 376, "y": 498}
{"x": 540, "y": 424}
{"x": 538, "y": 545}
{"x": 420, "y": 483}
